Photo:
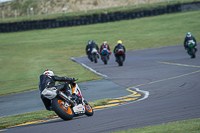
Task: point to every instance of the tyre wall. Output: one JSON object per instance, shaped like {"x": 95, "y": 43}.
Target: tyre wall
{"x": 95, "y": 18}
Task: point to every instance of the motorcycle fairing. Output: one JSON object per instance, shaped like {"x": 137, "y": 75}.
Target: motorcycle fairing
{"x": 105, "y": 51}
{"x": 76, "y": 90}
{"x": 79, "y": 109}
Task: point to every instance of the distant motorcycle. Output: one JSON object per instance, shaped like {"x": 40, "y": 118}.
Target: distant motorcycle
{"x": 105, "y": 55}
{"x": 120, "y": 57}
{"x": 94, "y": 55}
{"x": 64, "y": 106}
{"x": 191, "y": 48}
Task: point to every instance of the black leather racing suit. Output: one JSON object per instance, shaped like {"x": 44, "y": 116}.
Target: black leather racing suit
{"x": 119, "y": 46}
{"x": 46, "y": 81}
{"x": 94, "y": 45}
{"x": 88, "y": 51}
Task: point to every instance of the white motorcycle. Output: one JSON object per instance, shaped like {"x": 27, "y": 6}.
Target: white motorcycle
{"x": 94, "y": 54}
{"x": 64, "y": 106}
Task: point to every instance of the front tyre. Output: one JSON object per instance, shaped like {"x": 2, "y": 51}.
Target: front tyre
{"x": 193, "y": 53}
{"x": 61, "y": 110}
{"x": 88, "y": 110}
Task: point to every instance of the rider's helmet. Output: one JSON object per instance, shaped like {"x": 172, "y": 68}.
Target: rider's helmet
{"x": 48, "y": 72}
{"x": 119, "y": 42}
{"x": 89, "y": 42}
{"x": 93, "y": 42}
{"x": 188, "y": 34}
{"x": 104, "y": 42}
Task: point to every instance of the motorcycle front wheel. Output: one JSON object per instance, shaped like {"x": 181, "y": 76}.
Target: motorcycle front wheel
{"x": 58, "y": 105}
{"x": 192, "y": 53}
{"x": 88, "y": 110}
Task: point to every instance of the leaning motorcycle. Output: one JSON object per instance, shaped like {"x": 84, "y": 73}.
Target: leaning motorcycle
{"x": 105, "y": 55}
{"x": 120, "y": 57}
{"x": 64, "y": 106}
{"x": 94, "y": 54}
{"x": 191, "y": 48}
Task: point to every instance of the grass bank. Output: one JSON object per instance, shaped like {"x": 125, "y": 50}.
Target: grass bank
{"x": 25, "y": 55}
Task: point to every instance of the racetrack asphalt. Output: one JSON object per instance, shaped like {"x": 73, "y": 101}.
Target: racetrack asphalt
{"x": 169, "y": 75}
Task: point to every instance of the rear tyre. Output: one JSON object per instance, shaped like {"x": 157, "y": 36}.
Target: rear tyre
{"x": 63, "y": 112}
{"x": 105, "y": 60}
{"x": 120, "y": 61}
{"x": 95, "y": 58}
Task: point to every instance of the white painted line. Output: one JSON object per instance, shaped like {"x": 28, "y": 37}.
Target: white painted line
{"x": 146, "y": 94}
{"x": 89, "y": 68}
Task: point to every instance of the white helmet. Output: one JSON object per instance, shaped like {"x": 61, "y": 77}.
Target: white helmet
{"x": 188, "y": 34}
{"x": 48, "y": 72}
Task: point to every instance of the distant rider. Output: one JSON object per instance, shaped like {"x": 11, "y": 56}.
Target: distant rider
{"x": 105, "y": 45}
{"x": 188, "y": 37}
{"x": 88, "y": 49}
{"x": 94, "y": 45}
{"x": 47, "y": 80}
{"x": 117, "y": 47}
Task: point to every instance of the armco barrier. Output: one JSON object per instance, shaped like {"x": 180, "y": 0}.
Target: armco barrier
{"x": 95, "y": 18}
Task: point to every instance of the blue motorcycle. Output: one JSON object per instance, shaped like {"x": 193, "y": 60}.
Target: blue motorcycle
{"x": 105, "y": 56}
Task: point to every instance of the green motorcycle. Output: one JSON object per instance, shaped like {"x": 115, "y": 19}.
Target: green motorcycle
{"x": 191, "y": 48}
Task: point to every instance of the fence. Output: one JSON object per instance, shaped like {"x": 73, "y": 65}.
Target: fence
{"x": 95, "y": 18}
{"x": 29, "y": 8}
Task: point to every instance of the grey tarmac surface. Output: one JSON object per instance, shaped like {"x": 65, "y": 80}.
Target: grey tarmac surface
{"x": 167, "y": 73}
{"x": 30, "y": 101}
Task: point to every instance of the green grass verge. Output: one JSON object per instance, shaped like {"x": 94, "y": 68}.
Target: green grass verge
{"x": 13, "y": 120}
{"x": 186, "y": 126}
{"x": 25, "y": 55}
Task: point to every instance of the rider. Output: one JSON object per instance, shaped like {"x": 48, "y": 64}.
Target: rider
{"x": 87, "y": 49}
{"x": 105, "y": 45}
{"x": 119, "y": 46}
{"x": 188, "y": 37}
{"x": 47, "y": 80}
{"x": 94, "y": 45}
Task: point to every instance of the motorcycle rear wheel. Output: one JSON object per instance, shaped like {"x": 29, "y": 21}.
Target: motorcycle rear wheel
{"x": 63, "y": 112}
{"x": 95, "y": 58}
{"x": 120, "y": 61}
{"x": 105, "y": 61}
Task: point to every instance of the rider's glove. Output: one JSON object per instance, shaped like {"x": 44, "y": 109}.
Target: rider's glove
{"x": 73, "y": 79}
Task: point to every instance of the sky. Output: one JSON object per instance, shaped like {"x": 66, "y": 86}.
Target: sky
{"x": 5, "y": 1}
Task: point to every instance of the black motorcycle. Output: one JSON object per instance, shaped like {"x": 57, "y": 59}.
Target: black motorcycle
{"x": 120, "y": 55}
{"x": 94, "y": 55}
